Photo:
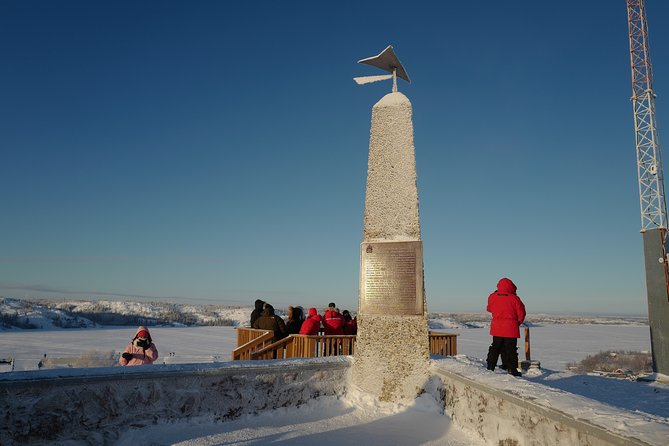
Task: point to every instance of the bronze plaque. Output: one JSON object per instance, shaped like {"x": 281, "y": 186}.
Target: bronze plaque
{"x": 391, "y": 278}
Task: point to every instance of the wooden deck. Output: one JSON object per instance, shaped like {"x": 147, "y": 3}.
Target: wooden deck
{"x": 257, "y": 344}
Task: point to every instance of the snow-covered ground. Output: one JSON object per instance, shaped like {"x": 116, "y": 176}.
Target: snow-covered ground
{"x": 556, "y": 345}
{"x": 355, "y": 418}
{"x": 553, "y": 345}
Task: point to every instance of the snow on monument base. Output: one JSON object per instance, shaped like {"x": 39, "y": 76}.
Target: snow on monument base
{"x": 392, "y": 356}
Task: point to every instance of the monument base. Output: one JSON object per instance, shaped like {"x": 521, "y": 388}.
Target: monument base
{"x": 392, "y": 356}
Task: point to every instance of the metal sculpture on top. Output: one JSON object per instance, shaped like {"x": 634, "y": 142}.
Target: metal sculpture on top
{"x": 387, "y": 61}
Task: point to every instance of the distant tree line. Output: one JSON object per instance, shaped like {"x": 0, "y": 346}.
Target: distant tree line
{"x": 14, "y": 320}
{"x": 168, "y": 314}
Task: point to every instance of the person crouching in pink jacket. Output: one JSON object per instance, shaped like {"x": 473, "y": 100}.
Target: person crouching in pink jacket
{"x": 141, "y": 350}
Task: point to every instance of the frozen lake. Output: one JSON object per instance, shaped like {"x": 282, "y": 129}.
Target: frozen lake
{"x": 556, "y": 345}
{"x": 553, "y": 345}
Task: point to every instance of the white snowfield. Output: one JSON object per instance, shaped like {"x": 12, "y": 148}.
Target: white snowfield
{"x": 631, "y": 409}
{"x": 278, "y": 401}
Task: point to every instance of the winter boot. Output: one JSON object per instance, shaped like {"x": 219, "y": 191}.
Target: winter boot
{"x": 492, "y": 359}
{"x": 512, "y": 363}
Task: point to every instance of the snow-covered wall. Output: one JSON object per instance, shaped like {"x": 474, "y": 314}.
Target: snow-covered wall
{"x": 503, "y": 410}
{"x": 93, "y": 406}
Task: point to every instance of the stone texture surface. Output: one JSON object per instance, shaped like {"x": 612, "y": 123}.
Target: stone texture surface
{"x": 392, "y": 356}
{"x": 392, "y": 351}
{"x": 502, "y": 415}
{"x": 94, "y": 409}
{"x": 391, "y": 199}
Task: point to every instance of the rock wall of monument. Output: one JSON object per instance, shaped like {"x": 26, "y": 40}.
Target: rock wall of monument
{"x": 94, "y": 406}
{"x": 391, "y": 201}
{"x": 392, "y": 356}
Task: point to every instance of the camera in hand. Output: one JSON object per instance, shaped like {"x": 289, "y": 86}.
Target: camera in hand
{"x": 142, "y": 343}
{"x": 127, "y": 356}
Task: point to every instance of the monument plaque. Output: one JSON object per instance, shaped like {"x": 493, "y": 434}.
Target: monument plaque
{"x": 391, "y": 278}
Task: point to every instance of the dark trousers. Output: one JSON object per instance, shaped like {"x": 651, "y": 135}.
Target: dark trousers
{"x": 507, "y": 348}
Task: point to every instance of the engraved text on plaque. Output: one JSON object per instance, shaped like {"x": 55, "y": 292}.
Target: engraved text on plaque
{"x": 391, "y": 278}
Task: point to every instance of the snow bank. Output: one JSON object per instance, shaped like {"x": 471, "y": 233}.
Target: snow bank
{"x": 502, "y": 409}
{"x": 95, "y": 406}
{"x": 230, "y": 401}
{"x": 355, "y": 418}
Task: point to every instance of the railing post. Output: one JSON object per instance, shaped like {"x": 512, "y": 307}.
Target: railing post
{"x": 527, "y": 343}
{"x": 528, "y": 363}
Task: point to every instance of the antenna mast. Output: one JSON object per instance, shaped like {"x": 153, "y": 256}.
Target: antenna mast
{"x": 651, "y": 186}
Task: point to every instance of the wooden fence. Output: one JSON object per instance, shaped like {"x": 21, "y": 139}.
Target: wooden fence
{"x": 256, "y": 344}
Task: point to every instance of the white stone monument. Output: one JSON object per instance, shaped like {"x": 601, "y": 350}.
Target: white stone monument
{"x": 392, "y": 351}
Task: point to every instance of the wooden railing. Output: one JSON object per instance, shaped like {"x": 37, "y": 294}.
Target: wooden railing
{"x": 278, "y": 350}
{"x": 255, "y": 344}
{"x": 442, "y": 343}
{"x": 317, "y": 346}
{"x": 250, "y": 340}
{"x": 301, "y": 346}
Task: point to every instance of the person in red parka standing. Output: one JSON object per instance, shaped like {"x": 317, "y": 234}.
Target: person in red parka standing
{"x": 333, "y": 321}
{"x": 508, "y": 312}
{"x": 312, "y": 325}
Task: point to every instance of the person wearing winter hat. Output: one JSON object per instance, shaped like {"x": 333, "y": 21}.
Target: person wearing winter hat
{"x": 508, "y": 312}
{"x": 257, "y": 311}
{"x": 312, "y": 325}
{"x": 270, "y": 321}
{"x": 141, "y": 349}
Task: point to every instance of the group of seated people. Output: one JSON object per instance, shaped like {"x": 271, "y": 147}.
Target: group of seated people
{"x": 332, "y": 322}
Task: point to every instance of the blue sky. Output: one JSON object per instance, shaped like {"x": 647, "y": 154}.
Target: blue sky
{"x": 215, "y": 152}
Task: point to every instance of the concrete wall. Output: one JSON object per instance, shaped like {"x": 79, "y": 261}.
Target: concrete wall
{"x": 93, "y": 406}
{"x": 493, "y": 408}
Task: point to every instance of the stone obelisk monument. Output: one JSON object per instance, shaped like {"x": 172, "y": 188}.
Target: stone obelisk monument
{"x": 392, "y": 352}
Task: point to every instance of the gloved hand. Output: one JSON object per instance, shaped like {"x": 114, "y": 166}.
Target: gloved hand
{"x": 142, "y": 343}
{"x": 127, "y": 356}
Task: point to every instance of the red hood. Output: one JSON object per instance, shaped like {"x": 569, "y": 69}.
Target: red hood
{"x": 506, "y": 286}
{"x": 312, "y": 312}
{"x": 140, "y": 329}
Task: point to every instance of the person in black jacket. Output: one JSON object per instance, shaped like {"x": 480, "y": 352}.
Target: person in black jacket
{"x": 295, "y": 320}
{"x": 270, "y": 321}
{"x": 257, "y": 312}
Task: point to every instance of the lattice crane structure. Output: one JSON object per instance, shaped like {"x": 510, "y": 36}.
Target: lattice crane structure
{"x": 651, "y": 186}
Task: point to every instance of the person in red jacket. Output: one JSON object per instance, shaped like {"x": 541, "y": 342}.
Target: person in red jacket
{"x": 333, "y": 321}
{"x": 312, "y": 325}
{"x": 508, "y": 312}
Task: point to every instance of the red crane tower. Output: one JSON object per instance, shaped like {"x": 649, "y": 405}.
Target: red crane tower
{"x": 651, "y": 186}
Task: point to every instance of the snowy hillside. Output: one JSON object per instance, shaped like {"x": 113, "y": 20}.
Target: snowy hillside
{"x": 47, "y": 314}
